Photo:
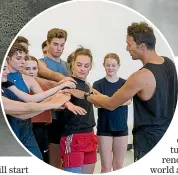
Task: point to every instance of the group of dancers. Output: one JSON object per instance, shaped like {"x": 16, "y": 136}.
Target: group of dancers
{"x": 58, "y": 123}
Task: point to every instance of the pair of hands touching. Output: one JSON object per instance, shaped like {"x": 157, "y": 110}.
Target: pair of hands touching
{"x": 61, "y": 99}
{"x": 65, "y": 95}
{"x": 67, "y": 82}
{"x": 71, "y": 83}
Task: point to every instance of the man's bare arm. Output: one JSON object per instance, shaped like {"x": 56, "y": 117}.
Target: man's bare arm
{"x": 135, "y": 83}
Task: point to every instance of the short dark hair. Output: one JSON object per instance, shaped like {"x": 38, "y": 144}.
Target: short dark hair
{"x": 56, "y": 33}
{"x": 44, "y": 44}
{"x": 21, "y": 39}
{"x": 142, "y": 33}
{"x": 17, "y": 48}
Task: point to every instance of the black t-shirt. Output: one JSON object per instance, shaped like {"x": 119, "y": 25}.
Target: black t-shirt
{"x": 153, "y": 117}
{"x": 115, "y": 120}
{"x": 8, "y": 93}
{"x": 7, "y": 84}
{"x": 79, "y": 123}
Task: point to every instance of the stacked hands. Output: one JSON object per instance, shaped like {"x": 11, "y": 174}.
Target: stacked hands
{"x": 61, "y": 99}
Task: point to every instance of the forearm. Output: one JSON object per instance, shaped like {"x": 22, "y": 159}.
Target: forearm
{"x": 119, "y": 98}
{"x": 27, "y": 116}
{"x": 67, "y": 103}
{"x": 12, "y": 107}
{"x": 25, "y": 108}
{"x": 110, "y": 103}
{"x": 49, "y": 74}
{"x": 101, "y": 101}
{"x": 43, "y": 95}
{"x": 46, "y": 84}
{"x": 55, "y": 76}
{"x": 35, "y": 97}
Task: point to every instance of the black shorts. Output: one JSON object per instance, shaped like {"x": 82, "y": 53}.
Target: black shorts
{"x": 41, "y": 134}
{"x": 113, "y": 133}
{"x": 55, "y": 129}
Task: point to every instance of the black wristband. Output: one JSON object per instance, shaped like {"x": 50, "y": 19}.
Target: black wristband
{"x": 87, "y": 94}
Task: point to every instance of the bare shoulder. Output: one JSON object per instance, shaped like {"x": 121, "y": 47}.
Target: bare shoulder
{"x": 142, "y": 78}
{"x": 142, "y": 75}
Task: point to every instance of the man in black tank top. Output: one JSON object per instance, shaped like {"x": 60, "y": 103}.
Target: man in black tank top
{"x": 153, "y": 88}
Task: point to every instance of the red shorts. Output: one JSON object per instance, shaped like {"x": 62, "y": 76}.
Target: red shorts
{"x": 78, "y": 149}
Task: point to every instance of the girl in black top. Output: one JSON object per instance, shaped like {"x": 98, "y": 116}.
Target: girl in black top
{"x": 78, "y": 144}
{"x": 112, "y": 126}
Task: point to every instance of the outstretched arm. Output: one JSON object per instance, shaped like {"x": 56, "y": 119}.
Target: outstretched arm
{"x": 135, "y": 83}
{"x": 42, "y": 95}
{"x": 14, "y": 108}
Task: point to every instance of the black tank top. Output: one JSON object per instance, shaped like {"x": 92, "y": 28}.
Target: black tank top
{"x": 152, "y": 117}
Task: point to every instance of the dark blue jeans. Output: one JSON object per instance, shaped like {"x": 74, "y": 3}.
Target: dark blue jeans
{"x": 24, "y": 132}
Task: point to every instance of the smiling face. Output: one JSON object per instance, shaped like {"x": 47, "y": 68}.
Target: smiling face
{"x": 111, "y": 66}
{"x": 5, "y": 72}
{"x": 81, "y": 66}
{"x": 17, "y": 61}
{"x": 31, "y": 68}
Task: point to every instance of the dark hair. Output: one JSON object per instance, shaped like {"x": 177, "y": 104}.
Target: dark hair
{"x": 44, "y": 44}
{"x": 142, "y": 33}
{"x": 21, "y": 39}
{"x": 70, "y": 60}
{"x": 17, "y": 48}
{"x": 56, "y": 33}
{"x": 113, "y": 56}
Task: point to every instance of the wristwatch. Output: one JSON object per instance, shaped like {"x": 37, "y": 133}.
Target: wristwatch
{"x": 87, "y": 94}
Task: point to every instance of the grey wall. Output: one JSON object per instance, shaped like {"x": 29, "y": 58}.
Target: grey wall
{"x": 162, "y": 13}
